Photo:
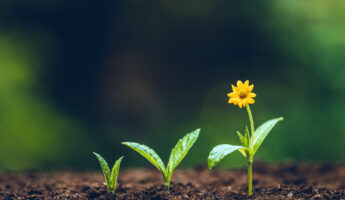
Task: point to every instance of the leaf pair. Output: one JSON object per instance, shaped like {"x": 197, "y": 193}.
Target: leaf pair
{"x": 245, "y": 141}
{"x": 110, "y": 178}
{"x": 177, "y": 154}
{"x": 220, "y": 151}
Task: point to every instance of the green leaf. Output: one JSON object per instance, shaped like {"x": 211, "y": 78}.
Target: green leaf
{"x": 243, "y": 152}
{"x": 219, "y": 152}
{"x": 114, "y": 173}
{"x": 244, "y": 139}
{"x": 105, "y": 169}
{"x": 180, "y": 151}
{"x": 241, "y": 138}
{"x": 262, "y": 131}
{"x": 148, "y": 153}
{"x": 245, "y": 142}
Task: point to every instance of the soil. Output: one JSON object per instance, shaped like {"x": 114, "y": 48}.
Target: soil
{"x": 286, "y": 181}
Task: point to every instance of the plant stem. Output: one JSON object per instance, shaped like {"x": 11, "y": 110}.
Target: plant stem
{"x": 251, "y": 125}
{"x": 250, "y": 157}
{"x": 108, "y": 187}
{"x": 250, "y": 178}
{"x": 166, "y": 187}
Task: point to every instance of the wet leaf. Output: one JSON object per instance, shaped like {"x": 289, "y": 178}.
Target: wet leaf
{"x": 180, "y": 151}
{"x": 262, "y": 131}
{"x": 148, "y": 153}
{"x": 114, "y": 174}
{"x": 105, "y": 169}
{"x": 219, "y": 152}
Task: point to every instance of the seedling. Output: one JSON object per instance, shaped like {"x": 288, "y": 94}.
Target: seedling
{"x": 242, "y": 96}
{"x": 110, "y": 178}
{"x": 177, "y": 154}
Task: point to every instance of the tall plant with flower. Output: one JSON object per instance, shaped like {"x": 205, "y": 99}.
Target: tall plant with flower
{"x": 242, "y": 96}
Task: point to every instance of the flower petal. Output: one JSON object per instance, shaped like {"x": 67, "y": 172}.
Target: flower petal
{"x": 250, "y": 100}
{"x": 235, "y": 100}
{"x": 239, "y": 84}
{"x": 233, "y": 94}
{"x": 250, "y": 88}
{"x": 252, "y": 94}
{"x": 233, "y": 88}
{"x": 246, "y": 83}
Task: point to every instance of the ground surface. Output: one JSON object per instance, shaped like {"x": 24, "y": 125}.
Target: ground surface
{"x": 303, "y": 181}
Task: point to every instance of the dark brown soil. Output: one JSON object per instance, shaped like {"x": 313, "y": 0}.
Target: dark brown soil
{"x": 289, "y": 181}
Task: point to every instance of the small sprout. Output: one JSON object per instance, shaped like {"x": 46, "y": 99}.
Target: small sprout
{"x": 242, "y": 96}
{"x": 177, "y": 154}
{"x": 110, "y": 178}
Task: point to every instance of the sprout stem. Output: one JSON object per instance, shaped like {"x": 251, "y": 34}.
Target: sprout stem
{"x": 166, "y": 187}
{"x": 250, "y": 180}
{"x": 250, "y": 157}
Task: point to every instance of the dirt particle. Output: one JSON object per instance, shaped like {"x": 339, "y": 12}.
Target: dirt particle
{"x": 31, "y": 192}
{"x": 290, "y": 195}
{"x": 92, "y": 194}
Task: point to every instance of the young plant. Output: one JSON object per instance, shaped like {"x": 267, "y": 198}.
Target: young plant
{"x": 177, "y": 154}
{"x": 242, "y": 96}
{"x": 110, "y": 178}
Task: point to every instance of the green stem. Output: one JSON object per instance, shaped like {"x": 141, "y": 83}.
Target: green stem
{"x": 250, "y": 178}
{"x": 251, "y": 125}
{"x": 166, "y": 187}
{"x": 250, "y": 157}
{"x": 108, "y": 187}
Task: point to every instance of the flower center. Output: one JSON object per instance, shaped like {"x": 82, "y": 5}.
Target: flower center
{"x": 242, "y": 94}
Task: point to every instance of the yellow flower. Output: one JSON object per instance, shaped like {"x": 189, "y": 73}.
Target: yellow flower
{"x": 242, "y": 94}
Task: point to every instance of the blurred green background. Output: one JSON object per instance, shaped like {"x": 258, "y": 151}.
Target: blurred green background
{"x": 83, "y": 76}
